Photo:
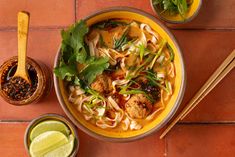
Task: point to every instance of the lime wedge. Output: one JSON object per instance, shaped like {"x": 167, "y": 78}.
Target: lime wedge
{"x": 49, "y": 125}
{"x": 47, "y": 142}
{"x": 62, "y": 151}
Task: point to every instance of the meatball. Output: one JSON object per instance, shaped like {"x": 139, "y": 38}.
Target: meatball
{"x": 102, "y": 84}
{"x": 138, "y": 106}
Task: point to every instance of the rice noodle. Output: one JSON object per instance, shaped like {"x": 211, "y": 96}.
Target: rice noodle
{"x": 114, "y": 104}
{"x": 118, "y": 83}
{"x": 141, "y": 41}
{"x": 105, "y": 53}
{"x": 126, "y": 123}
{"x": 171, "y": 71}
{"x": 127, "y": 96}
{"x": 160, "y": 59}
{"x": 71, "y": 98}
{"x": 79, "y": 90}
{"x": 89, "y": 110}
{"x": 122, "y": 64}
{"x": 100, "y": 111}
{"x": 148, "y": 29}
{"x": 151, "y": 47}
{"x": 162, "y": 99}
{"x": 80, "y": 104}
{"x": 93, "y": 44}
{"x": 134, "y": 125}
{"x": 151, "y": 116}
{"x": 161, "y": 75}
{"x": 87, "y": 117}
{"x": 102, "y": 124}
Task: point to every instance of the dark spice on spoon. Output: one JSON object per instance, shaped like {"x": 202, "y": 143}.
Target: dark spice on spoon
{"x": 17, "y": 88}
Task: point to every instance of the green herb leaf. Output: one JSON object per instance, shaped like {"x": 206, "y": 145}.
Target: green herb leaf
{"x": 64, "y": 71}
{"x": 133, "y": 91}
{"x": 73, "y": 43}
{"x": 94, "y": 93}
{"x": 182, "y": 7}
{"x": 101, "y": 42}
{"x": 95, "y": 67}
{"x": 153, "y": 79}
{"x": 159, "y": 52}
{"x": 142, "y": 51}
{"x": 109, "y": 23}
{"x": 128, "y": 90}
{"x": 74, "y": 52}
{"x": 169, "y": 6}
{"x": 172, "y": 55}
{"x": 118, "y": 43}
{"x": 173, "y": 6}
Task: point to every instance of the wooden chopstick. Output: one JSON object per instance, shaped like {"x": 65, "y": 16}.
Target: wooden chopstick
{"x": 213, "y": 77}
{"x": 220, "y": 70}
{"x": 217, "y": 80}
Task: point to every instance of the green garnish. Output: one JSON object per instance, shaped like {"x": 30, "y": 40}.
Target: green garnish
{"x": 135, "y": 71}
{"x": 133, "y": 91}
{"x": 118, "y": 43}
{"x": 172, "y": 55}
{"x": 101, "y": 42}
{"x": 154, "y": 80}
{"x": 159, "y": 52}
{"x": 173, "y": 6}
{"x": 109, "y": 23}
{"x": 95, "y": 66}
{"x": 128, "y": 90}
{"x": 142, "y": 51}
{"x": 167, "y": 86}
{"x": 74, "y": 52}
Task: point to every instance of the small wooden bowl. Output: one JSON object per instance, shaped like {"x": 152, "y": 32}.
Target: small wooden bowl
{"x": 51, "y": 116}
{"x": 177, "y": 19}
{"x": 44, "y": 84}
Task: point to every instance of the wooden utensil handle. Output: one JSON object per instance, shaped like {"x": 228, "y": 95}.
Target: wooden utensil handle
{"x": 23, "y": 25}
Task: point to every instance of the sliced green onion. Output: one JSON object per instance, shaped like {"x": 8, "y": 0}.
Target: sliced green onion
{"x": 172, "y": 55}
{"x": 142, "y": 51}
{"x": 159, "y": 52}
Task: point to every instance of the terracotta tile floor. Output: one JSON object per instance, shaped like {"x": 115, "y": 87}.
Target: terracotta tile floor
{"x": 209, "y": 131}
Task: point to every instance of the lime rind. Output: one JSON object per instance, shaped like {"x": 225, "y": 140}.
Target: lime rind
{"x": 49, "y": 125}
{"x": 64, "y": 150}
{"x": 47, "y": 142}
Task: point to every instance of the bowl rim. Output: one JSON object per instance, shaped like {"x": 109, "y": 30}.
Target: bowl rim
{"x": 169, "y": 115}
{"x": 44, "y": 117}
{"x": 177, "y": 22}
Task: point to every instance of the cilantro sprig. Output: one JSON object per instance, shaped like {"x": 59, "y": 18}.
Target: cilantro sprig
{"x": 173, "y": 6}
{"x": 74, "y": 51}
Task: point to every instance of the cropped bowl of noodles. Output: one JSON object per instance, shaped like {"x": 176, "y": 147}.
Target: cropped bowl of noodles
{"x": 119, "y": 74}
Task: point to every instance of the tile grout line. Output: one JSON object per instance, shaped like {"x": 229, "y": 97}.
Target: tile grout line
{"x": 14, "y": 28}
{"x": 203, "y": 29}
{"x": 75, "y": 10}
{"x": 207, "y": 123}
{"x": 14, "y": 121}
{"x": 10, "y": 28}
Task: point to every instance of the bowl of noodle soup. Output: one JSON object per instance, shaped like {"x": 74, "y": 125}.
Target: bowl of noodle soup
{"x": 129, "y": 77}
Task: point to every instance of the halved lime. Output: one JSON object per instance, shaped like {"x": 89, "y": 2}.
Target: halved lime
{"x": 49, "y": 125}
{"x": 62, "y": 151}
{"x": 47, "y": 142}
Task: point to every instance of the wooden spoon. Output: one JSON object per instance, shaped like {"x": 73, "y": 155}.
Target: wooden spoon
{"x": 23, "y": 26}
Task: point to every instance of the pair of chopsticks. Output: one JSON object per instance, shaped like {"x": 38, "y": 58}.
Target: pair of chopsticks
{"x": 216, "y": 77}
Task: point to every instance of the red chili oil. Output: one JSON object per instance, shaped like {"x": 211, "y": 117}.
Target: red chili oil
{"x": 17, "y": 88}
